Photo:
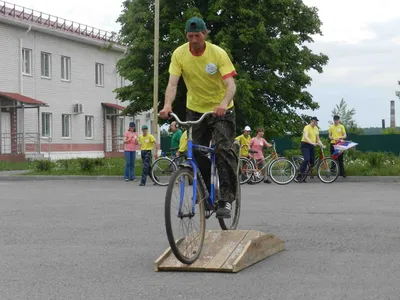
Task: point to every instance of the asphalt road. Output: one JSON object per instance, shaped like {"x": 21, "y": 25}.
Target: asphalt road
{"x": 99, "y": 239}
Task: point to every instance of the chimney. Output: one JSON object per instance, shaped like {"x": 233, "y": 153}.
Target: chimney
{"x": 383, "y": 123}
{"x": 392, "y": 115}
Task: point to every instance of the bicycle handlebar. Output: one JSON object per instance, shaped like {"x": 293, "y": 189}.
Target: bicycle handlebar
{"x": 171, "y": 114}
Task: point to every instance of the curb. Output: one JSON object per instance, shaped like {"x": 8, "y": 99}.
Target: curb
{"x": 350, "y": 179}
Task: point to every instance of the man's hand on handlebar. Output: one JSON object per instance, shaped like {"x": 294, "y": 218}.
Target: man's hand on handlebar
{"x": 164, "y": 113}
{"x": 220, "y": 110}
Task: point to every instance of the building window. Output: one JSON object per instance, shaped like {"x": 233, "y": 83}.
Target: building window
{"x": 151, "y": 127}
{"x": 99, "y": 74}
{"x": 26, "y": 61}
{"x": 120, "y": 126}
{"x": 66, "y": 126}
{"x": 65, "y": 68}
{"x": 89, "y": 126}
{"x": 46, "y": 124}
{"x": 45, "y": 60}
{"x": 121, "y": 81}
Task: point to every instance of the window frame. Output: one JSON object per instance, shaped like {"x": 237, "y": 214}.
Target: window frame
{"x": 69, "y": 126}
{"x": 50, "y": 121}
{"x": 99, "y": 75}
{"x": 29, "y": 51}
{"x": 42, "y": 66}
{"x": 89, "y": 117}
{"x": 66, "y": 63}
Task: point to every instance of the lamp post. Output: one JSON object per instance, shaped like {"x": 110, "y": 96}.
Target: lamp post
{"x": 156, "y": 58}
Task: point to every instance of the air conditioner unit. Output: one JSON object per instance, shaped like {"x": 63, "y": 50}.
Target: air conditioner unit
{"x": 78, "y": 108}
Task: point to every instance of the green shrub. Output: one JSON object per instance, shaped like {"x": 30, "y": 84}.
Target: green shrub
{"x": 86, "y": 165}
{"x": 44, "y": 165}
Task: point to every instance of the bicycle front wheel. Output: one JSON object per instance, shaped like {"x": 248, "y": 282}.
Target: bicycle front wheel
{"x": 183, "y": 213}
{"x": 328, "y": 170}
{"x": 161, "y": 170}
{"x": 282, "y": 171}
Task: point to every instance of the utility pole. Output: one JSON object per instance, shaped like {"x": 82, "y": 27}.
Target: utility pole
{"x": 155, "y": 77}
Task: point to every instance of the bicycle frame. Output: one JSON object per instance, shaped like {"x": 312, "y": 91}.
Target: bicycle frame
{"x": 191, "y": 162}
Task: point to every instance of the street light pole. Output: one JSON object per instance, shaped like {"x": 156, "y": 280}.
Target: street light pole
{"x": 156, "y": 59}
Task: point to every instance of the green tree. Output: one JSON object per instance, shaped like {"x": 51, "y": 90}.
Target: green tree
{"x": 391, "y": 130}
{"x": 346, "y": 117}
{"x": 266, "y": 40}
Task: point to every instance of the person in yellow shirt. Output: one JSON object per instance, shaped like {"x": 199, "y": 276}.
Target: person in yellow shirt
{"x": 208, "y": 75}
{"x": 309, "y": 140}
{"x": 147, "y": 142}
{"x": 337, "y": 132}
{"x": 243, "y": 141}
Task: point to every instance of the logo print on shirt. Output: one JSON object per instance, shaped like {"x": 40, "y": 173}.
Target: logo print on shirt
{"x": 211, "y": 68}
{"x": 339, "y": 130}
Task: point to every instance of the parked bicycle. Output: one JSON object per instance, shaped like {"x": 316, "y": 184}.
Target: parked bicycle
{"x": 280, "y": 169}
{"x": 201, "y": 203}
{"x": 163, "y": 168}
{"x": 327, "y": 168}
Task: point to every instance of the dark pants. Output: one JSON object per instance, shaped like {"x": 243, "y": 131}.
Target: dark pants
{"x": 222, "y": 131}
{"x": 146, "y": 161}
{"x": 130, "y": 157}
{"x": 340, "y": 161}
{"x": 308, "y": 152}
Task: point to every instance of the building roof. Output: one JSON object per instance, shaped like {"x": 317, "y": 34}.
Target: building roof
{"x": 113, "y": 105}
{"x": 16, "y": 14}
{"x": 22, "y": 99}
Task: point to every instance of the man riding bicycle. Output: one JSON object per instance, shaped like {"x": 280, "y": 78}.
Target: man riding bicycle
{"x": 208, "y": 74}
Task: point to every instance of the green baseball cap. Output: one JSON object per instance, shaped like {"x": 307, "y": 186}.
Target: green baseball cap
{"x": 195, "y": 24}
{"x": 145, "y": 127}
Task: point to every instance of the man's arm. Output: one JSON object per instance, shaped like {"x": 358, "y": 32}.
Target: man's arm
{"x": 344, "y": 136}
{"x": 319, "y": 141}
{"x": 230, "y": 91}
{"x": 330, "y": 133}
{"x": 170, "y": 93}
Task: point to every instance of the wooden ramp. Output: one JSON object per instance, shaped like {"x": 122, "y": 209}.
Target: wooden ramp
{"x": 226, "y": 251}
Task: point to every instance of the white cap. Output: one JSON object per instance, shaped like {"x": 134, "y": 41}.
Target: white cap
{"x": 247, "y": 128}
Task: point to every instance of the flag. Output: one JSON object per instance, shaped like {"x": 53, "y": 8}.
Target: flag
{"x": 341, "y": 147}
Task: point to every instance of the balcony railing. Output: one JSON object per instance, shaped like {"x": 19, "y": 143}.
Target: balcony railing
{"x": 42, "y": 19}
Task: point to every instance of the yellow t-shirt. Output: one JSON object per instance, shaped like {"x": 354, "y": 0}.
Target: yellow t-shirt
{"x": 336, "y": 132}
{"x": 203, "y": 75}
{"x": 312, "y": 133}
{"x": 147, "y": 142}
{"x": 183, "y": 142}
{"x": 244, "y": 141}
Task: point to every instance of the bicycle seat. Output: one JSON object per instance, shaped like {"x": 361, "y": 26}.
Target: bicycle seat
{"x": 252, "y": 151}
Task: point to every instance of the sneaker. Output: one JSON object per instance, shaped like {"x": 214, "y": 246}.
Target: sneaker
{"x": 267, "y": 181}
{"x": 142, "y": 184}
{"x": 224, "y": 210}
{"x": 126, "y": 179}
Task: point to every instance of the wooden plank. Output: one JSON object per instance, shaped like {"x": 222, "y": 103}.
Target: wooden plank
{"x": 251, "y": 234}
{"x": 227, "y": 243}
{"x": 257, "y": 250}
{"x": 207, "y": 253}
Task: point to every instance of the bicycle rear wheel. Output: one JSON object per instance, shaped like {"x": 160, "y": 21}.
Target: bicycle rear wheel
{"x": 187, "y": 246}
{"x": 246, "y": 168}
{"x": 282, "y": 171}
{"x": 162, "y": 169}
{"x": 328, "y": 170}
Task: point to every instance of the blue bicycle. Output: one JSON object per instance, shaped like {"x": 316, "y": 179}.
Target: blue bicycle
{"x": 194, "y": 201}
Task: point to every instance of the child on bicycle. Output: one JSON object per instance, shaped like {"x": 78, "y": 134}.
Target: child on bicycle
{"x": 258, "y": 143}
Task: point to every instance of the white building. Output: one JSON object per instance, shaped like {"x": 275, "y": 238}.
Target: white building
{"x": 56, "y": 88}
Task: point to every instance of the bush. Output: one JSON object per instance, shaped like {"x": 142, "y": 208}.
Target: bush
{"x": 44, "y": 165}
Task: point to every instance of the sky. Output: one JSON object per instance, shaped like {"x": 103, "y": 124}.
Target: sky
{"x": 360, "y": 37}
